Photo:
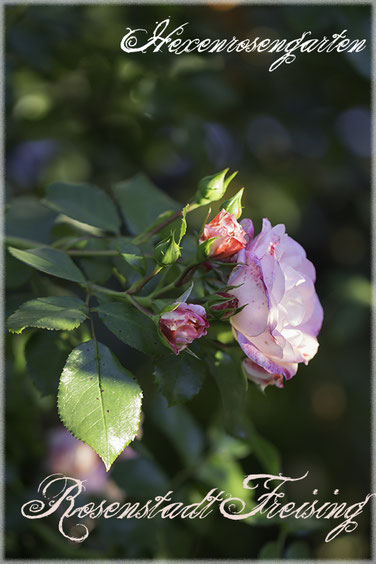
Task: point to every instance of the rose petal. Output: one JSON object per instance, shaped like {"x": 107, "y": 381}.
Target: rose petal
{"x": 253, "y": 319}
{"x": 288, "y": 370}
{"x": 259, "y": 376}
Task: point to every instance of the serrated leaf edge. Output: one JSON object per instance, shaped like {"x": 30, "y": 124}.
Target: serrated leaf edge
{"x": 75, "y": 435}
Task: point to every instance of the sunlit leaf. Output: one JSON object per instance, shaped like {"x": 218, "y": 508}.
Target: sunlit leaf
{"x": 57, "y": 312}
{"x": 99, "y": 401}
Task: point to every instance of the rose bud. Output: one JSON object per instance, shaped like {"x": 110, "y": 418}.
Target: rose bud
{"x": 230, "y": 236}
{"x": 183, "y": 325}
{"x": 230, "y": 304}
{"x": 234, "y": 204}
{"x": 282, "y": 316}
{"x": 212, "y": 188}
{"x": 167, "y": 251}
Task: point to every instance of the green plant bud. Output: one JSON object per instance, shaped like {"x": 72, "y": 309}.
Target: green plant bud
{"x": 234, "y": 204}
{"x": 167, "y": 251}
{"x": 213, "y": 188}
{"x": 203, "y": 250}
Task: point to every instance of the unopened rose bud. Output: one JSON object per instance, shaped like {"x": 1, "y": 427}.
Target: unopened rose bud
{"x": 230, "y": 304}
{"x": 234, "y": 204}
{"x": 183, "y": 325}
{"x": 213, "y": 188}
{"x": 167, "y": 251}
{"x": 228, "y": 233}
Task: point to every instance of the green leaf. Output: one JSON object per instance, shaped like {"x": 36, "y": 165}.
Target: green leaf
{"x": 298, "y": 550}
{"x": 264, "y": 450}
{"x": 233, "y": 390}
{"x": 232, "y": 387}
{"x": 28, "y": 218}
{"x": 99, "y": 401}
{"x": 270, "y": 551}
{"x": 140, "y": 477}
{"x": 125, "y": 246}
{"x": 46, "y": 353}
{"x": 16, "y": 274}
{"x": 183, "y": 224}
{"x": 203, "y": 250}
{"x": 181, "y": 299}
{"x": 180, "y": 427}
{"x": 179, "y": 377}
{"x": 225, "y": 473}
{"x": 85, "y": 203}
{"x": 137, "y": 262}
{"x": 142, "y": 237}
{"x": 57, "y": 312}
{"x": 51, "y": 261}
{"x": 130, "y": 326}
{"x": 98, "y": 269}
{"x": 141, "y": 202}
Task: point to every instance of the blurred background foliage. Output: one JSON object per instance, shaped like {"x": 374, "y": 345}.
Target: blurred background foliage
{"x": 79, "y": 109}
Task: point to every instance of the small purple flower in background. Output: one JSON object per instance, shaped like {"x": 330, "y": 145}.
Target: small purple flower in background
{"x": 278, "y": 327}
{"x": 183, "y": 325}
{"x": 28, "y": 159}
{"x": 71, "y": 457}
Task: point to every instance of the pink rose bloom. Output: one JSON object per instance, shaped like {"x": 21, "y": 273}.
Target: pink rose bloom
{"x": 183, "y": 325}
{"x": 278, "y": 327}
{"x": 231, "y": 236}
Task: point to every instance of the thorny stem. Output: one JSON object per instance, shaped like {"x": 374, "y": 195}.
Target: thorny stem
{"x": 89, "y": 310}
{"x": 186, "y": 275}
{"x": 140, "y": 307}
{"x": 137, "y": 286}
{"x": 183, "y": 279}
{"x": 125, "y": 296}
{"x": 145, "y": 236}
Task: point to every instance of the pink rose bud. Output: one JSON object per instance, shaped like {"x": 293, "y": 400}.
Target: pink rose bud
{"x": 183, "y": 325}
{"x": 231, "y": 303}
{"x": 278, "y": 327}
{"x": 230, "y": 236}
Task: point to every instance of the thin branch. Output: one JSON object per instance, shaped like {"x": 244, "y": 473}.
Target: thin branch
{"x": 145, "y": 236}
{"x": 85, "y": 253}
{"x": 137, "y": 286}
